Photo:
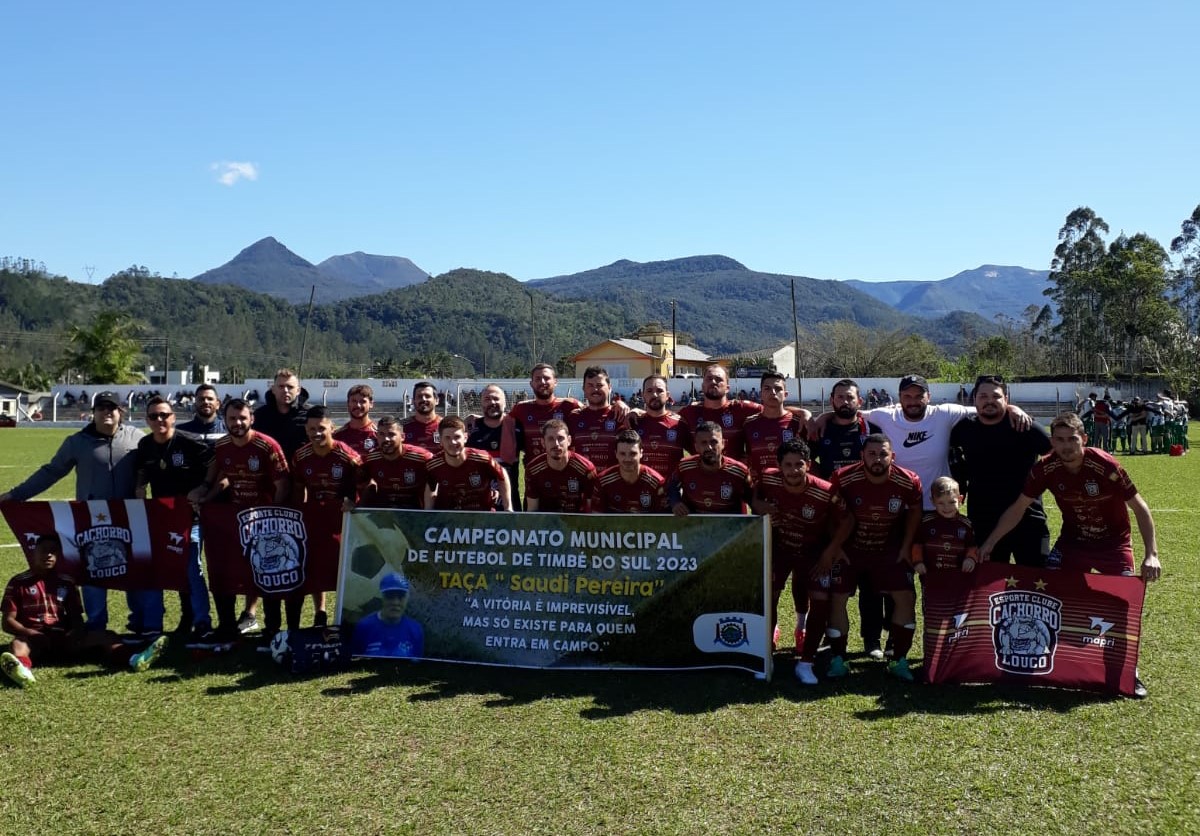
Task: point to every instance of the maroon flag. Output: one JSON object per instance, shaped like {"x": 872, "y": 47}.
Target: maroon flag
{"x": 112, "y": 543}
{"x": 272, "y": 549}
{"x": 1005, "y": 623}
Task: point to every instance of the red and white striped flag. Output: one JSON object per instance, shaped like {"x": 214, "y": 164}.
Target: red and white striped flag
{"x": 111, "y": 543}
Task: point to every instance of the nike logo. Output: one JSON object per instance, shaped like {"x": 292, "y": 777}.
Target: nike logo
{"x": 916, "y": 438}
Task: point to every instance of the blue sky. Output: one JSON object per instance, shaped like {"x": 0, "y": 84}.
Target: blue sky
{"x": 869, "y": 140}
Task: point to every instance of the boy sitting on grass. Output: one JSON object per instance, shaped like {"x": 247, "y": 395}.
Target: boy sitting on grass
{"x": 44, "y": 613}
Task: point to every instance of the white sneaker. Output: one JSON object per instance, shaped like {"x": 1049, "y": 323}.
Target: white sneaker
{"x": 16, "y": 671}
{"x": 804, "y": 672}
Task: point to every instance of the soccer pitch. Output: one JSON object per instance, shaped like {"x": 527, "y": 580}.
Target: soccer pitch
{"x": 231, "y": 744}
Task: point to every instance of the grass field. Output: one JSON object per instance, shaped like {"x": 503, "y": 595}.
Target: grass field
{"x": 232, "y": 745}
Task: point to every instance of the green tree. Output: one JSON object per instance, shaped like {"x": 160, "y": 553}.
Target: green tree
{"x": 1135, "y": 307}
{"x": 107, "y": 351}
{"x": 1186, "y": 280}
{"x": 1076, "y": 276}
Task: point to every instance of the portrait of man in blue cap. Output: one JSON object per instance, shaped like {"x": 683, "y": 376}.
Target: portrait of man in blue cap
{"x": 389, "y": 632}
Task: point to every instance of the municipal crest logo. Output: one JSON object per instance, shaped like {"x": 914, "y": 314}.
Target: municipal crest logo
{"x": 573, "y": 485}
{"x": 672, "y": 435}
{"x": 731, "y": 631}
{"x": 727, "y": 492}
{"x": 808, "y": 512}
{"x": 894, "y": 505}
{"x": 1091, "y": 488}
{"x": 475, "y": 479}
{"x": 609, "y": 426}
{"x": 727, "y": 420}
{"x": 644, "y": 499}
{"x": 254, "y": 464}
{"x": 1025, "y": 628}
{"x": 337, "y": 471}
{"x": 274, "y": 543}
{"x": 105, "y": 550}
{"x": 410, "y": 477}
{"x": 177, "y": 460}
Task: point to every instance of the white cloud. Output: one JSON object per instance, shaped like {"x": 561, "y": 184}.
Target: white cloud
{"x": 228, "y": 173}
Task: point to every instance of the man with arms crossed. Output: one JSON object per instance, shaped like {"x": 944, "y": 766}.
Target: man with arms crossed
{"x": 1095, "y": 496}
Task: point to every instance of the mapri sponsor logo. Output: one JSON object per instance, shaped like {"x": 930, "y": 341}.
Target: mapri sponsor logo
{"x": 274, "y": 541}
{"x": 1025, "y": 629}
{"x": 105, "y": 550}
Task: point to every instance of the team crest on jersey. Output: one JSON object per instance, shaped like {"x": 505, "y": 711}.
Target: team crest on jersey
{"x": 808, "y": 512}
{"x": 894, "y": 505}
{"x": 410, "y": 477}
{"x": 573, "y": 486}
{"x": 727, "y": 420}
{"x": 845, "y": 453}
{"x": 1091, "y": 488}
{"x": 368, "y": 444}
{"x": 1025, "y": 629}
{"x": 337, "y": 471}
{"x": 274, "y": 543}
{"x": 788, "y": 435}
{"x": 254, "y": 464}
{"x": 726, "y": 492}
{"x": 672, "y": 435}
{"x": 644, "y": 499}
{"x": 177, "y": 460}
{"x": 105, "y": 550}
{"x": 475, "y": 479}
{"x": 609, "y": 426}
{"x": 962, "y": 532}
{"x": 558, "y": 416}
{"x": 731, "y": 631}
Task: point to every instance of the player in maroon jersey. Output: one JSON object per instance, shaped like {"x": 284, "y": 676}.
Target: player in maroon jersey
{"x": 883, "y": 503}
{"x": 763, "y": 433}
{"x": 666, "y": 438}
{"x": 461, "y": 478}
{"x": 1095, "y": 496}
{"x": 253, "y": 467}
{"x": 710, "y": 482}
{"x": 560, "y": 479}
{"x": 359, "y": 432}
{"x": 717, "y": 407}
{"x": 945, "y": 540}
{"x": 397, "y": 474}
{"x": 595, "y": 425}
{"x": 630, "y": 487}
{"x": 422, "y": 429}
{"x": 804, "y": 512}
{"x": 522, "y": 432}
{"x": 323, "y": 470}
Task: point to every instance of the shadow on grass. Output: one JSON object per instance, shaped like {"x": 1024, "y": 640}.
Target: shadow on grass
{"x": 612, "y": 692}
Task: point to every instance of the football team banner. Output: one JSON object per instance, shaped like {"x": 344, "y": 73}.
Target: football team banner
{"x": 271, "y": 549}
{"x": 1016, "y": 624}
{"x": 577, "y": 591}
{"x": 111, "y": 543}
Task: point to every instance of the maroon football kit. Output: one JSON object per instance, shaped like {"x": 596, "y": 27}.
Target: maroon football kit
{"x": 724, "y": 490}
{"x": 333, "y": 476}
{"x": 398, "y": 482}
{"x": 594, "y": 433}
{"x": 879, "y": 511}
{"x": 944, "y": 542}
{"x": 646, "y": 495}
{"x": 424, "y": 435}
{"x": 467, "y": 487}
{"x": 731, "y": 418}
{"x": 666, "y": 439}
{"x": 761, "y": 437}
{"x": 568, "y": 490}
{"x": 251, "y": 469}
{"x": 362, "y": 439}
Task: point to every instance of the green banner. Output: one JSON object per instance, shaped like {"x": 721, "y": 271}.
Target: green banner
{"x": 558, "y": 591}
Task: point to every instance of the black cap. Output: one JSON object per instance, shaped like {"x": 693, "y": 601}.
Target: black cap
{"x": 110, "y": 398}
{"x": 913, "y": 380}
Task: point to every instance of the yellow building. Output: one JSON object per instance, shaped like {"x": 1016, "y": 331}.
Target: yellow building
{"x": 651, "y": 350}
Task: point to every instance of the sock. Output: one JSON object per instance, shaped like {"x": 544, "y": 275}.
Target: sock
{"x": 819, "y": 617}
{"x": 902, "y": 638}
{"x": 26, "y": 661}
{"x": 837, "y": 642}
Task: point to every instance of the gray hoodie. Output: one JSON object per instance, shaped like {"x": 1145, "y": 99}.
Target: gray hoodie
{"x": 105, "y": 467}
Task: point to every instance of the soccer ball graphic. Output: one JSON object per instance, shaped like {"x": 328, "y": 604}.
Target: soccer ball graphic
{"x": 375, "y": 550}
{"x": 280, "y": 649}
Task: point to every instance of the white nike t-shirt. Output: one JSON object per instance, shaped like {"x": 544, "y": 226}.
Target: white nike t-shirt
{"x": 921, "y": 446}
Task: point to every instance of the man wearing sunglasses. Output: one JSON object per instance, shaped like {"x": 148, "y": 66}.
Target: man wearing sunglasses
{"x": 103, "y": 456}
{"x": 172, "y": 463}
